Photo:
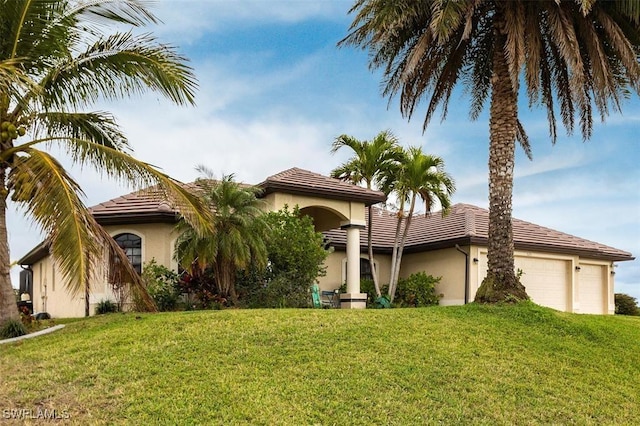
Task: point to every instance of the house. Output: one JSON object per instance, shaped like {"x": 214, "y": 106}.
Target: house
{"x": 560, "y": 271}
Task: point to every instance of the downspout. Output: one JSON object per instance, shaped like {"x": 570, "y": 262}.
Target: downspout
{"x": 466, "y": 273}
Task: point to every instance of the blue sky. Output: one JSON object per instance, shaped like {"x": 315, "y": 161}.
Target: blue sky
{"x": 275, "y": 91}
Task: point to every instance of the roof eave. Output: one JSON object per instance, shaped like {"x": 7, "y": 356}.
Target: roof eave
{"x": 136, "y": 218}
{"x": 36, "y": 254}
{"x": 269, "y": 187}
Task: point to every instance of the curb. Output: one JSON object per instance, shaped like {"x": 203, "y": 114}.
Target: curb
{"x": 36, "y": 334}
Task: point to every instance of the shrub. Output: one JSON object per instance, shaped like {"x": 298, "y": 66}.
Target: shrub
{"x": 162, "y": 284}
{"x": 626, "y": 305}
{"x": 296, "y": 253}
{"x": 106, "y": 307}
{"x": 417, "y": 290}
{"x": 201, "y": 290}
{"x": 12, "y": 328}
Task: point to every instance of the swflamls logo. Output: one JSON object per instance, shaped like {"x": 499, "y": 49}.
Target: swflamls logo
{"x": 35, "y": 414}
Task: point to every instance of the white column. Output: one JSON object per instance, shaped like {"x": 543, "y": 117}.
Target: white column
{"x": 353, "y": 260}
{"x": 353, "y": 299}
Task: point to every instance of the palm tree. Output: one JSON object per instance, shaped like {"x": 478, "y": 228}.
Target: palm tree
{"x": 420, "y": 176}
{"x": 582, "y": 54}
{"x": 372, "y": 164}
{"x": 238, "y": 236}
{"x": 54, "y": 63}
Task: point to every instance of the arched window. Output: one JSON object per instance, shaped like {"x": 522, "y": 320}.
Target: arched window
{"x": 132, "y": 246}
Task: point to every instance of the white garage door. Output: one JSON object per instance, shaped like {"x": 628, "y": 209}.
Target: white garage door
{"x": 546, "y": 280}
{"x": 591, "y": 289}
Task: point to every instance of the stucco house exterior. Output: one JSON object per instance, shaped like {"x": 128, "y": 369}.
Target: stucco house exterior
{"x": 560, "y": 271}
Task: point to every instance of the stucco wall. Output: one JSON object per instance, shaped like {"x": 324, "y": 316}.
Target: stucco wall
{"x": 158, "y": 240}
{"x": 49, "y": 291}
{"x": 336, "y": 264}
{"x": 328, "y": 214}
{"x": 445, "y": 263}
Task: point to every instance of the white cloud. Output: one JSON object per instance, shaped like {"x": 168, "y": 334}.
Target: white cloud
{"x": 211, "y": 16}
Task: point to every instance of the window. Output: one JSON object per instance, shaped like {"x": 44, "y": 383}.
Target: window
{"x": 365, "y": 270}
{"x": 132, "y": 246}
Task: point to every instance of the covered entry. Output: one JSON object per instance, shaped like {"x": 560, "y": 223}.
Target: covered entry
{"x": 332, "y": 204}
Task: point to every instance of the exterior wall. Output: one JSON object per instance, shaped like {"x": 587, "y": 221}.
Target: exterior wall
{"x": 336, "y": 264}
{"x": 49, "y": 291}
{"x": 447, "y": 264}
{"x": 328, "y": 214}
{"x": 158, "y": 240}
{"x": 541, "y": 269}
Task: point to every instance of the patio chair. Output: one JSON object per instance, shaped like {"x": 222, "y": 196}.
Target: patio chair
{"x": 330, "y": 298}
{"x": 315, "y": 296}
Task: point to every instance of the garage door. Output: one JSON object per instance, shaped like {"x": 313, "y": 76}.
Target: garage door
{"x": 546, "y": 280}
{"x": 591, "y": 289}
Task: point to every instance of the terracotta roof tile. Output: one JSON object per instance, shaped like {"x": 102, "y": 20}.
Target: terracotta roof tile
{"x": 136, "y": 206}
{"x": 467, "y": 224}
{"x": 304, "y": 182}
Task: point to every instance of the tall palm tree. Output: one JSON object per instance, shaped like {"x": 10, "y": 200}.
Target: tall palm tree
{"x": 373, "y": 163}
{"x": 420, "y": 176}
{"x": 580, "y": 54}
{"x": 55, "y": 62}
{"x": 237, "y": 239}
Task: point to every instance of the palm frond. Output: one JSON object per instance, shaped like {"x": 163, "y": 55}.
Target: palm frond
{"x": 99, "y": 127}
{"x": 115, "y": 67}
{"x": 78, "y": 244}
{"x": 129, "y": 12}
{"x": 124, "y": 168}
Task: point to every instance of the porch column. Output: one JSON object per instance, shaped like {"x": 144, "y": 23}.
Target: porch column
{"x": 353, "y": 299}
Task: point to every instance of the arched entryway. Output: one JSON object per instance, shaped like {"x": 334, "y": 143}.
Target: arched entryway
{"x": 332, "y": 204}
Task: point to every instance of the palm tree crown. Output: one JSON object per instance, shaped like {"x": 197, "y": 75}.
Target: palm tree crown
{"x": 580, "y": 55}
{"x": 420, "y": 176}
{"x": 238, "y": 236}
{"x": 374, "y": 163}
{"x": 55, "y": 61}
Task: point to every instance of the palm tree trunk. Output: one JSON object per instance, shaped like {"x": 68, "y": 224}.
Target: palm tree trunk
{"x": 231, "y": 279}
{"x": 374, "y": 273}
{"x": 8, "y": 305}
{"x": 394, "y": 254}
{"x": 501, "y": 283}
{"x": 405, "y": 232}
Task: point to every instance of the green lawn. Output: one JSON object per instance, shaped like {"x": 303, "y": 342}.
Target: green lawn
{"x": 454, "y": 365}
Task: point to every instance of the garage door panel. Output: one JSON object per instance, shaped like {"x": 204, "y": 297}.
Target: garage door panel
{"x": 546, "y": 280}
{"x": 591, "y": 290}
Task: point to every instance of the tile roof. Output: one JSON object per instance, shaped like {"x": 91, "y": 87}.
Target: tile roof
{"x": 135, "y": 207}
{"x": 303, "y": 182}
{"x": 467, "y": 224}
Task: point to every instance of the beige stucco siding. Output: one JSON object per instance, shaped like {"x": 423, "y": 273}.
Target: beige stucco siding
{"x": 336, "y": 264}
{"x": 445, "y": 263}
{"x": 158, "y": 240}
{"x": 49, "y": 290}
{"x": 327, "y": 214}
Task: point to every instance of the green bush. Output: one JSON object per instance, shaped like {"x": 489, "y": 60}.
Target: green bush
{"x": 12, "y": 328}
{"x": 417, "y": 290}
{"x": 626, "y": 305}
{"x": 106, "y": 307}
{"x": 163, "y": 285}
{"x": 296, "y": 253}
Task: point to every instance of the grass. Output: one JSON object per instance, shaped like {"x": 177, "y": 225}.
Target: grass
{"x": 471, "y": 364}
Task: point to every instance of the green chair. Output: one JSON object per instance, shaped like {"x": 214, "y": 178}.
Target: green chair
{"x": 315, "y": 296}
